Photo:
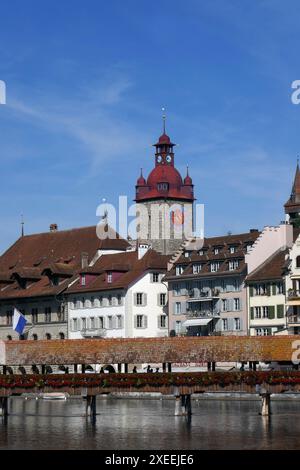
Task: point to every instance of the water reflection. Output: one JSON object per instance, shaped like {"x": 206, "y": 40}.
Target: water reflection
{"x": 149, "y": 424}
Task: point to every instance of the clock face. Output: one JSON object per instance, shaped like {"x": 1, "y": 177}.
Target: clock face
{"x": 159, "y": 159}
{"x": 169, "y": 158}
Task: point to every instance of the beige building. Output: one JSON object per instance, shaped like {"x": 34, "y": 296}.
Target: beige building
{"x": 266, "y": 296}
{"x": 207, "y": 295}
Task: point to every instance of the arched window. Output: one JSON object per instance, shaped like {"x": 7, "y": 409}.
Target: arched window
{"x": 48, "y": 336}
{"x": 61, "y": 336}
{"x": 298, "y": 262}
{"x": 35, "y": 337}
{"x": 9, "y": 338}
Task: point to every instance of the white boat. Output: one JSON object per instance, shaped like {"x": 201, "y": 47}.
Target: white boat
{"x": 54, "y": 396}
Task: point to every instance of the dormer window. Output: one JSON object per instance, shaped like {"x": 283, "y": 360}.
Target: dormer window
{"x": 197, "y": 268}
{"x": 234, "y": 264}
{"x": 214, "y": 267}
{"x": 83, "y": 280}
{"x": 163, "y": 186}
{"x": 109, "y": 277}
{"x": 179, "y": 270}
{"x": 232, "y": 249}
{"x": 201, "y": 253}
{"x": 216, "y": 251}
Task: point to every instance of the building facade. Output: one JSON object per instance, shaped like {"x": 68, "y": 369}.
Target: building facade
{"x": 36, "y": 271}
{"x": 121, "y": 296}
{"x": 267, "y": 296}
{"x": 207, "y": 295}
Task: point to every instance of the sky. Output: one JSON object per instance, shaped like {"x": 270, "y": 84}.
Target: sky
{"x": 86, "y": 82}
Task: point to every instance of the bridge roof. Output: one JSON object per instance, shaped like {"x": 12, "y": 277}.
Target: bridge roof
{"x": 148, "y": 350}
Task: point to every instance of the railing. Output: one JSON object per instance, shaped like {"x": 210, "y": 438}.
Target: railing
{"x": 93, "y": 332}
{"x": 202, "y": 295}
{"x": 202, "y": 314}
{"x": 294, "y": 294}
{"x": 293, "y": 319}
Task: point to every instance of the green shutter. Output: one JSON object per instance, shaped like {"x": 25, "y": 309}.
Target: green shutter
{"x": 280, "y": 311}
{"x": 252, "y": 313}
{"x": 274, "y": 290}
{"x": 271, "y": 312}
{"x": 268, "y": 289}
{"x": 251, "y": 291}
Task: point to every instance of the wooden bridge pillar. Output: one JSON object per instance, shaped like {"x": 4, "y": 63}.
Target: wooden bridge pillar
{"x": 82, "y": 368}
{"x": 209, "y": 366}
{"x": 119, "y": 368}
{"x": 4, "y": 407}
{"x": 4, "y": 370}
{"x": 265, "y": 404}
{"x": 75, "y": 368}
{"x": 126, "y": 368}
{"x": 164, "y": 367}
{"x": 213, "y": 366}
{"x": 43, "y": 369}
{"x": 169, "y": 367}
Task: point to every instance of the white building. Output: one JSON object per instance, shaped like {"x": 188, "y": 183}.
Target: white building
{"x": 120, "y": 296}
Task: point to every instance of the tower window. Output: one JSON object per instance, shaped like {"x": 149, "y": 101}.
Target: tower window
{"x": 163, "y": 186}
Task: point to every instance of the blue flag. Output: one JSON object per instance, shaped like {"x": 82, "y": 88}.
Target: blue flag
{"x": 19, "y": 321}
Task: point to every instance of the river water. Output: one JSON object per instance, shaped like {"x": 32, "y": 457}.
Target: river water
{"x": 150, "y": 424}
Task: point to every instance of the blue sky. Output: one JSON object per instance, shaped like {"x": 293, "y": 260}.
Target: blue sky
{"x": 85, "y": 85}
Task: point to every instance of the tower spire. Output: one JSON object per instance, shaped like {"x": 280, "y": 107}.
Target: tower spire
{"x": 164, "y": 117}
{"x": 22, "y": 225}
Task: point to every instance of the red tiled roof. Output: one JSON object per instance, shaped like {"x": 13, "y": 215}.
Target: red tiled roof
{"x": 137, "y": 267}
{"x": 223, "y": 243}
{"x": 59, "y": 251}
{"x": 271, "y": 269}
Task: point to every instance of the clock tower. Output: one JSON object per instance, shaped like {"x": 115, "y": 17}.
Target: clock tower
{"x": 164, "y": 202}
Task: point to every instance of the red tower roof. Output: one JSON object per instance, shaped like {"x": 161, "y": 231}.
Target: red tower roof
{"x": 164, "y": 181}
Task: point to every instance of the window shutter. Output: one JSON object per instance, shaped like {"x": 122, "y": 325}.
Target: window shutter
{"x": 158, "y": 322}
{"x": 145, "y": 321}
{"x": 280, "y": 311}
{"x": 183, "y": 307}
{"x": 135, "y": 299}
{"x": 251, "y": 291}
{"x": 241, "y": 304}
{"x": 268, "y": 289}
{"x": 230, "y": 305}
{"x": 241, "y": 323}
{"x": 135, "y": 321}
{"x": 114, "y": 322}
{"x": 252, "y": 313}
{"x": 144, "y": 299}
{"x": 274, "y": 290}
{"x": 158, "y": 300}
{"x": 271, "y": 312}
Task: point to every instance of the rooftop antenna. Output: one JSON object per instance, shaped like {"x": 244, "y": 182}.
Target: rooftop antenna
{"x": 22, "y": 225}
{"x": 164, "y": 117}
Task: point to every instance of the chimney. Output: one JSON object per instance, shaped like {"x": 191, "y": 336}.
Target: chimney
{"x": 53, "y": 228}
{"x": 84, "y": 260}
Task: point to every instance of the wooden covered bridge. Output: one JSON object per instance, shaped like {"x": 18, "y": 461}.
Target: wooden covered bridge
{"x": 165, "y": 351}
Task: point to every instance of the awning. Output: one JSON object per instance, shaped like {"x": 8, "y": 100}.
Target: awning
{"x": 196, "y": 322}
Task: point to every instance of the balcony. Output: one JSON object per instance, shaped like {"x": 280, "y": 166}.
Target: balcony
{"x": 203, "y": 296}
{"x": 293, "y": 320}
{"x": 293, "y": 297}
{"x": 93, "y": 332}
{"x": 193, "y": 313}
